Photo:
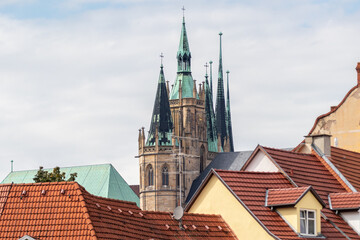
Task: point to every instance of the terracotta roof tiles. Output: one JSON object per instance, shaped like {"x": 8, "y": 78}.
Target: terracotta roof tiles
{"x": 348, "y": 163}
{"x": 307, "y": 169}
{"x": 285, "y": 196}
{"x": 341, "y": 201}
{"x": 66, "y": 210}
{"x": 250, "y": 188}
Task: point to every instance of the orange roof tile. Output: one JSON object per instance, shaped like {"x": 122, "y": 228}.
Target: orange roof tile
{"x": 250, "y": 188}
{"x": 341, "y": 201}
{"x": 285, "y": 196}
{"x": 66, "y": 210}
{"x": 307, "y": 169}
{"x": 348, "y": 163}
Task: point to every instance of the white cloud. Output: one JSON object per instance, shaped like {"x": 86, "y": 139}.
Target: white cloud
{"x": 75, "y": 90}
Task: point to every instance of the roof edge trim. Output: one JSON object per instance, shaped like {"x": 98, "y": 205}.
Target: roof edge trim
{"x": 339, "y": 176}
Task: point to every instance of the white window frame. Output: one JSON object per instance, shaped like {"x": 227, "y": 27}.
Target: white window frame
{"x": 307, "y": 222}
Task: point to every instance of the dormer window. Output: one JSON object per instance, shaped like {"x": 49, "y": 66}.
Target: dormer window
{"x": 299, "y": 206}
{"x": 307, "y": 222}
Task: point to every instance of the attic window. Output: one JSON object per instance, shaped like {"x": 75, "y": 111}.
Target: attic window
{"x": 307, "y": 222}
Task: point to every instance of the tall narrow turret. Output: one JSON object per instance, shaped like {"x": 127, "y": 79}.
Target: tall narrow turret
{"x": 211, "y": 81}
{"x": 228, "y": 114}
{"x": 210, "y": 116}
{"x": 220, "y": 103}
{"x": 161, "y": 121}
{"x": 183, "y": 68}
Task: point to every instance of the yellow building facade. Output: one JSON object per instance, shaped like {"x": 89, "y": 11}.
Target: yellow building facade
{"x": 215, "y": 196}
{"x": 343, "y": 121}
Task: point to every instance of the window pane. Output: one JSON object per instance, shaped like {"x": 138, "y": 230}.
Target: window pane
{"x": 302, "y": 214}
{"x": 302, "y": 226}
{"x": 311, "y": 226}
{"x": 311, "y": 214}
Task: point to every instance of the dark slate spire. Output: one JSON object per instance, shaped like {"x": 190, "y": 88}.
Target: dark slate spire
{"x": 184, "y": 68}
{"x": 228, "y": 114}
{"x": 161, "y": 120}
{"x": 220, "y": 103}
{"x": 210, "y": 116}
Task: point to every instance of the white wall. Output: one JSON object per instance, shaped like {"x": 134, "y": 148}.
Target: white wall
{"x": 353, "y": 219}
{"x": 261, "y": 163}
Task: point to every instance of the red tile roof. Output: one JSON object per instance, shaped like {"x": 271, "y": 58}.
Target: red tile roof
{"x": 285, "y": 196}
{"x": 348, "y": 163}
{"x": 307, "y": 169}
{"x": 66, "y": 210}
{"x": 250, "y": 188}
{"x": 340, "y": 201}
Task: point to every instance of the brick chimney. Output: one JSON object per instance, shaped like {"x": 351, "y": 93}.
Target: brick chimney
{"x": 358, "y": 73}
{"x": 321, "y": 141}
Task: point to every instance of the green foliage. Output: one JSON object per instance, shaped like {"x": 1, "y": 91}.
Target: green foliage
{"x": 54, "y": 176}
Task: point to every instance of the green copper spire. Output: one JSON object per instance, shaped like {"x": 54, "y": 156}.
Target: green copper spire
{"x": 161, "y": 120}
{"x": 220, "y": 103}
{"x": 210, "y": 116}
{"x": 228, "y": 114}
{"x": 211, "y": 81}
{"x": 183, "y": 68}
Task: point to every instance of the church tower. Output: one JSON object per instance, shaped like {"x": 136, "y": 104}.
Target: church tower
{"x": 182, "y": 138}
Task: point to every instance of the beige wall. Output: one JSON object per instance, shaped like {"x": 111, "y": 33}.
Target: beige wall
{"x": 292, "y": 214}
{"x": 343, "y": 124}
{"x": 215, "y": 198}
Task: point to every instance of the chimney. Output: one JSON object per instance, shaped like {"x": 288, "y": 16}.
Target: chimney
{"x": 358, "y": 73}
{"x": 321, "y": 141}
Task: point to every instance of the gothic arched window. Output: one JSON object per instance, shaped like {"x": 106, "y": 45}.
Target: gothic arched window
{"x": 165, "y": 176}
{"x": 150, "y": 175}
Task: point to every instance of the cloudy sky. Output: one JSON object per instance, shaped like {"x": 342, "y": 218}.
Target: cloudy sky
{"x": 78, "y": 77}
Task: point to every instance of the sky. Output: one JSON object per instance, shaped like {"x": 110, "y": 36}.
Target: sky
{"x": 78, "y": 77}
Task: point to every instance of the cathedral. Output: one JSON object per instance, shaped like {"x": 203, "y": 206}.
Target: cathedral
{"x": 185, "y": 133}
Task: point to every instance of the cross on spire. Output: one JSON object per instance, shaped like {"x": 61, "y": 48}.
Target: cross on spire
{"x": 183, "y": 9}
{"x": 206, "y": 67}
{"x": 161, "y": 57}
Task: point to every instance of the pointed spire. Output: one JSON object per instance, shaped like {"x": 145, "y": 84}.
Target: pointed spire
{"x": 161, "y": 122}
{"x": 211, "y": 81}
{"x": 210, "y": 117}
{"x": 183, "y": 53}
{"x": 220, "y": 102}
{"x": 184, "y": 67}
{"x": 228, "y": 114}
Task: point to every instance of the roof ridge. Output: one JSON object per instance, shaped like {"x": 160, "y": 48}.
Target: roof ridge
{"x": 345, "y": 193}
{"x": 292, "y": 188}
{"x": 247, "y": 172}
{"x": 80, "y": 190}
{"x": 291, "y": 152}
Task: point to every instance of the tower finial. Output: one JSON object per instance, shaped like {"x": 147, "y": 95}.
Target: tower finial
{"x": 161, "y": 57}
{"x": 183, "y": 9}
{"x": 206, "y": 67}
